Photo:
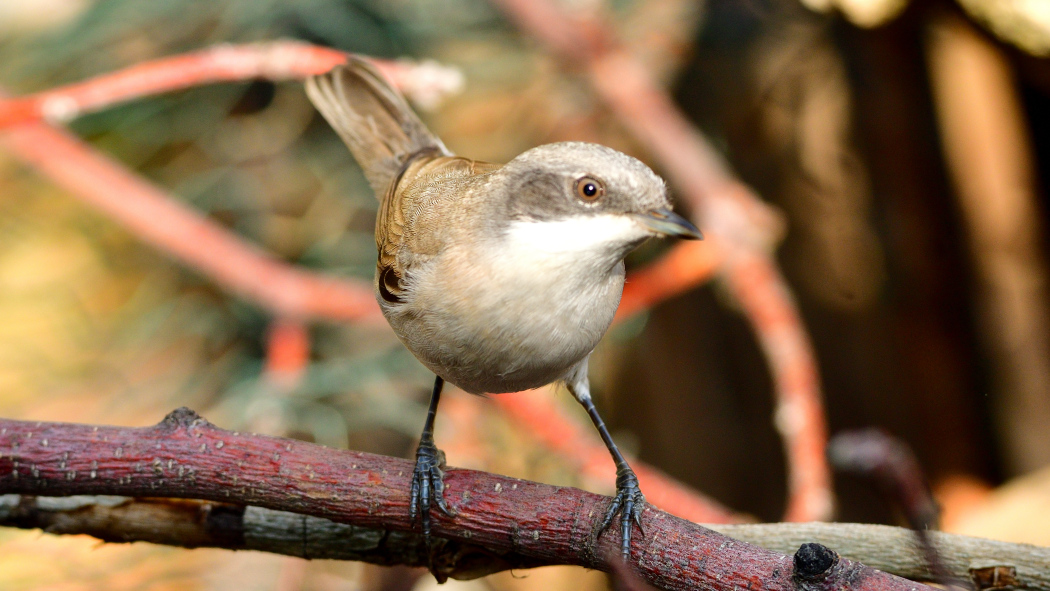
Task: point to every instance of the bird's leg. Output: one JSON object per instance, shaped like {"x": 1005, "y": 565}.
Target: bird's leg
{"x": 428, "y": 486}
{"x": 629, "y": 500}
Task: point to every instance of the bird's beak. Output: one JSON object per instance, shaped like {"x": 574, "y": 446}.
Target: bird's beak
{"x": 666, "y": 222}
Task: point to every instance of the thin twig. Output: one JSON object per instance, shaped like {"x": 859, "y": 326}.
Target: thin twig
{"x": 275, "y": 61}
{"x": 889, "y": 463}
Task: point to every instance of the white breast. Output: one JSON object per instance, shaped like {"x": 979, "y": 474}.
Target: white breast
{"x": 521, "y": 311}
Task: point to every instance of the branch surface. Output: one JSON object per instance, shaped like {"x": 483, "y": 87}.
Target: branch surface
{"x": 190, "y": 523}
{"x": 896, "y": 550}
{"x": 184, "y": 456}
{"x": 193, "y": 524}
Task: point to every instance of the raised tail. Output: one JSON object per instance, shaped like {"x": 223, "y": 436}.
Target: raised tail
{"x": 374, "y": 120}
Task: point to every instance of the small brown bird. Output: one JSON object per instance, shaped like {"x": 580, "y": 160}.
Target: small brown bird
{"x": 497, "y": 277}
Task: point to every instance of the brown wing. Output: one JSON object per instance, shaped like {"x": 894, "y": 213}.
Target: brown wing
{"x": 424, "y": 190}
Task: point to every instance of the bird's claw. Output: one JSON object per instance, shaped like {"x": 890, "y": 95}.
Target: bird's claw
{"x": 428, "y": 485}
{"x": 628, "y": 502}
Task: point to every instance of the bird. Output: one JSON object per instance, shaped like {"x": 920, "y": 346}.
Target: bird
{"x": 497, "y": 277}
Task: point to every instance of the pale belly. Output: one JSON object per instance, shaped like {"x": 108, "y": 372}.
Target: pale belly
{"x": 506, "y": 333}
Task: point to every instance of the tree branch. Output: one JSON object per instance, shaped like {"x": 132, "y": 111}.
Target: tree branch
{"x": 896, "y": 550}
{"x": 193, "y": 524}
{"x": 184, "y": 456}
{"x": 207, "y": 524}
{"x": 273, "y": 60}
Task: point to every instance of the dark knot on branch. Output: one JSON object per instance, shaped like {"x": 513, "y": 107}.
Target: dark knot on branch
{"x": 183, "y": 418}
{"x": 814, "y": 561}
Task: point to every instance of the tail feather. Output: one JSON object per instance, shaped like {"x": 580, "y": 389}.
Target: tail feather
{"x": 373, "y": 119}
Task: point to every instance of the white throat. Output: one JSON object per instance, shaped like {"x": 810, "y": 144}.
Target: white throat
{"x": 577, "y": 241}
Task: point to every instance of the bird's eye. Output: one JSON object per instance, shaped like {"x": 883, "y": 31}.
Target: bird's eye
{"x": 589, "y": 189}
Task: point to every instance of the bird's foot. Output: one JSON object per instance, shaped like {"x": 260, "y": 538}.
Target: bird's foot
{"x": 628, "y": 503}
{"x": 428, "y": 485}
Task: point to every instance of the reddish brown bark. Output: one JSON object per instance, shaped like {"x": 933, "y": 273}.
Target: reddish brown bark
{"x": 185, "y": 456}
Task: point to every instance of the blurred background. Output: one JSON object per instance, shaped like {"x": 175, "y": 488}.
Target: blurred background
{"x": 904, "y": 141}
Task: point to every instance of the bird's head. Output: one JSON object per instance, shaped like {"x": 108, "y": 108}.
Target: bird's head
{"x": 588, "y": 199}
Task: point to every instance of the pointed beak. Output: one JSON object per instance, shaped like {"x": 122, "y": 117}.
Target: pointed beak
{"x": 666, "y": 222}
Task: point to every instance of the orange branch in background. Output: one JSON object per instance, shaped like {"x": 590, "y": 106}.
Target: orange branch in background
{"x": 185, "y": 234}
{"x": 544, "y": 419}
{"x": 729, "y": 210}
{"x": 165, "y": 223}
{"x": 799, "y": 416}
{"x": 287, "y": 352}
{"x": 687, "y": 265}
{"x": 279, "y": 60}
